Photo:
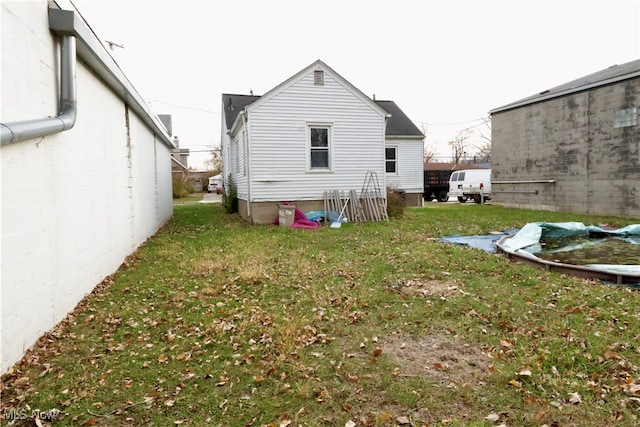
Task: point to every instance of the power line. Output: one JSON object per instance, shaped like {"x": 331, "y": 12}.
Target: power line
{"x": 451, "y": 124}
{"x": 184, "y": 106}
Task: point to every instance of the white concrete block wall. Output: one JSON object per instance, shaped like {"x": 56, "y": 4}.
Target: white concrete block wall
{"x": 74, "y": 204}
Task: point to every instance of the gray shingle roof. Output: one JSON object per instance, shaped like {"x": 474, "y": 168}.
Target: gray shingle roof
{"x": 609, "y": 75}
{"x": 397, "y": 125}
{"x": 233, "y": 104}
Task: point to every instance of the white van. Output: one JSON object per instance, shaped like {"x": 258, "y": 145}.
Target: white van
{"x": 471, "y": 184}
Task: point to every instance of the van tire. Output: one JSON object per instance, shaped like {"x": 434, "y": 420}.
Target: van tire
{"x": 463, "y": 199}
{"x": 443, "y": 196}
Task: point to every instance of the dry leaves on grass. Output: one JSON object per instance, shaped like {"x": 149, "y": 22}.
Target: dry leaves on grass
{"x": 441, "y": 358}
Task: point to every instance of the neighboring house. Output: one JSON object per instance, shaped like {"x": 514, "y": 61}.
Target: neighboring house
{"x": 80, "y": 192}
{"x": 315, "y": 132}
{"x": 179, "y": 158}
{"x": 572, "y": 148}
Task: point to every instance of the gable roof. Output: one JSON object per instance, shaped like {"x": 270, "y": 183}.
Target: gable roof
{"x": 318, "y": 65}
{"x": 610, "y": 75}
{"x": 233, "y": 105}
{"x": 399, "y": 124}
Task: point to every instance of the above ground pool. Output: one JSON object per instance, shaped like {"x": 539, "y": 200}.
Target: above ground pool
{"x": 574, "y": 248}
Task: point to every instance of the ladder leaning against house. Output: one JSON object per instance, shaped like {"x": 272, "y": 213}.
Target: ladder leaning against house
{"x": 373, "y": 199}
{"x": 370, "y": 205}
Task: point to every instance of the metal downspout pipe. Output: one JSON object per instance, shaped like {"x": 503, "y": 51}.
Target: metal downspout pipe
{"x": 66, "y": 118}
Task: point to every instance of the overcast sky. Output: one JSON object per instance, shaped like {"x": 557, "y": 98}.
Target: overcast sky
{"x": 445, "y": 63}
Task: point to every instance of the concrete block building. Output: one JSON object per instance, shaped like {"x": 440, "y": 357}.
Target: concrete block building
{"x": 572, "y": 148}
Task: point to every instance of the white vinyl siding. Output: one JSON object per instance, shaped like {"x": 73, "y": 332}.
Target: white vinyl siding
{"x": 279, "y": 141}
{"x": 409, "y": 174}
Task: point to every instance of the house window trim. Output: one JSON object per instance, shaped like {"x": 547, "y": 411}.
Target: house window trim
{"x": 397, "y": 159}
{"x": 326, "y": 125}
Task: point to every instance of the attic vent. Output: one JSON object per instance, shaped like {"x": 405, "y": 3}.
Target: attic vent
{"x": 318, "y": 77}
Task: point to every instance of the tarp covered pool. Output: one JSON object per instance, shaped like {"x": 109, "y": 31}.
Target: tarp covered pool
{"x": 526, "y": 243}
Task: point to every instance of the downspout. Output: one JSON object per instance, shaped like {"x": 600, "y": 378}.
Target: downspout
{"x": 248, "y": 136}
{"x": 66, "y": 118}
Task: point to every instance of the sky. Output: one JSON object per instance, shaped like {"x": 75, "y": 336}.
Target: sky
{"x": 446, "y": 64}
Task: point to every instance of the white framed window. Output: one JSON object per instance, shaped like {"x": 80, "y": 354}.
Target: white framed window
{"x": 319, "y": 142}
{"x": 391, "y": 160}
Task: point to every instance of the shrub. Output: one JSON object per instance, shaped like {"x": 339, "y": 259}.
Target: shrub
{"x": 230, "y": 196}
{"x": 395, "y": 203}
{"x": 180, "y": 185}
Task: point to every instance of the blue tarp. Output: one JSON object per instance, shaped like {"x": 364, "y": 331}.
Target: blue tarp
{"x": 485, "y": 242}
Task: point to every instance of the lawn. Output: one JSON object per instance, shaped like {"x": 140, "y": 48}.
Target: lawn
{"x": 214, "y": 322}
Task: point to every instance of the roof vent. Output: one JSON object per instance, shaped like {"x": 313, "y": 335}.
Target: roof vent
{"x": 318, "y": 77}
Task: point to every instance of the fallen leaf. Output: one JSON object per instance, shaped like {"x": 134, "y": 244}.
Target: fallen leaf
{"x": 350, "y": 423}
{"x": 524, "y": 373}
{"x": 377, "y": 351}
{"x": 492, "y": 418}
{"x": 575, "y": 398}
{"x": 402, "y": 420}
{"x": 169, "y": 403}
{"x": 163, "y": 358}
{"x": 21, "y": 381}
{"x": 609, "y": 355}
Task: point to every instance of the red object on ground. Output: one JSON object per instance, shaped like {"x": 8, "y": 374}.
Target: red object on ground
{"x": 300, "y": 220}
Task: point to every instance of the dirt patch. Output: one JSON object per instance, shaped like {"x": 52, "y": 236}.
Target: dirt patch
{"x": 428, "y": 288}
{"x": 442, "y": 358}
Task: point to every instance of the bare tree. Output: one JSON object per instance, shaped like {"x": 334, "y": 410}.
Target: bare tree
{"x": 214, "y": 164}
{"x": 484, "y": 132}
{"x": 430, "y": 153}
{"x": 459, "y": 145}
{"x": 484, "y": 152}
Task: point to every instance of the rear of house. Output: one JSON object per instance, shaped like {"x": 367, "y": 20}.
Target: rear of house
{"x": 572, "y": 148}
{"x": 313, "y": 133}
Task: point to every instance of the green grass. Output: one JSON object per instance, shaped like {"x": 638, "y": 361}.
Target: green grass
{"x": 188, "y": 199}
{"x": 214, "y": 322}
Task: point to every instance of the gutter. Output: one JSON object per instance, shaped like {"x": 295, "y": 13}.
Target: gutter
{"x": 67, "y": 108}
{"x": 547, "y": 94}
{"x": 69, "y": 25}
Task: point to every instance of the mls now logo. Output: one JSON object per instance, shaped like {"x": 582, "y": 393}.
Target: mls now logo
{"x": 23, "y": 414}
{"x": 15, "y": 414}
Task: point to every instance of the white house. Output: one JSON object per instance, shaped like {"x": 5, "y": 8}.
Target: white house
{"x": 315, "y": 132}
{"x": 86, "y": 168}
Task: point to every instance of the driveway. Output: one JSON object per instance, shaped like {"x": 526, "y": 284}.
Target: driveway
{"x": 211, "y": 198}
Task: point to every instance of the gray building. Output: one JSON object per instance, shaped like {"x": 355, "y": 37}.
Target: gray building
{"x": 572, "y": 148}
